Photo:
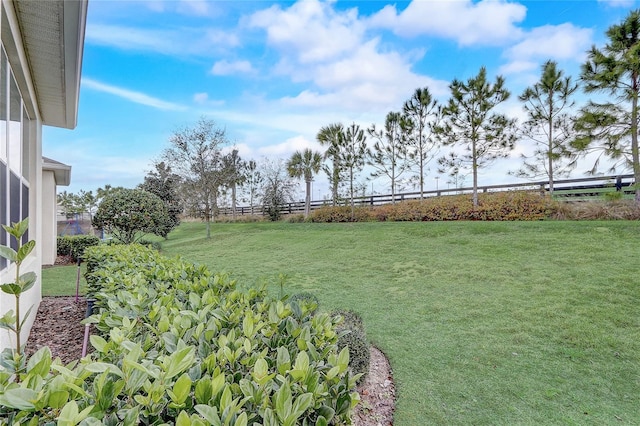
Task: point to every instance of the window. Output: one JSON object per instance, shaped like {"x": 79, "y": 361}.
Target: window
{"x": 14, "y": 155}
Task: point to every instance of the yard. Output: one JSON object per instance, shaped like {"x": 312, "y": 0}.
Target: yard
{"x": 483, "y": 322}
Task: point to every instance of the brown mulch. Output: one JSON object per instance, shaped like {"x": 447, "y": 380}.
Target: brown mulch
{"x": 58, "y": 326}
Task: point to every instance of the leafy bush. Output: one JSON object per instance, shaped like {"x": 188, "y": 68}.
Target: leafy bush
{"x": 350, "y": 319}
{"x": 359, "y": 351}
{"x": 127, "y": 214}
{"x": 175, "y": 343}
{"x": 353, "y": 336}
{"x": 341, "y": 214}
{"x": 75, "y": 245}
{"x": 508, "y": 205}
{"x": 295, "y": 218}
{"x": 156, "y": 245}
{"x": 309, "y": 299}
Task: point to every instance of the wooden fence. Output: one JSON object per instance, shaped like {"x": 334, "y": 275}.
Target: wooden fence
{"x": 569, "y": 189}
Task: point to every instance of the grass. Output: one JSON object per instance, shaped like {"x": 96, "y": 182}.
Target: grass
{"x": 61, "y": 280}
{"x": 484, "y": 322}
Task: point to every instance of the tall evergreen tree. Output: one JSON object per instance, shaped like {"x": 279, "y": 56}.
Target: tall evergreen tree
{"x": 351, "y": 155}
{"x": 390, "y": 154}
{"x": 424, "y": 113}
{"x": 305, "y": 165}
{"x": 549, "y": 125}
{"x": 611, "y": 128}
{"x": 470, "y": 122}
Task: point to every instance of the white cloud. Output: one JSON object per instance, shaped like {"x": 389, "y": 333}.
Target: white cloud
{"x": 201, "y": 98}
{"x": 557, "y": 42}
{"x": 311, "y": 30}
{"x": 130, "y": 95}
{"x": 328, "y": 51}
{"x": 469, "y": 23}
{"x": 287, "y": 148}
{"x": 518, "y": 67}
{"x": 181, "y": 42}
{"x": 618, "y": 3}
{"x": 225, "y": 67}
{"x": 564, "y": 41}
{"x": 194, "y": 7}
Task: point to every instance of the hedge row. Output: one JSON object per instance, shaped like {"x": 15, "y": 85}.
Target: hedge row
{"x": 178, "y": 345}
{"x": 74, "y": 245}
{"x": 511, "y": 205}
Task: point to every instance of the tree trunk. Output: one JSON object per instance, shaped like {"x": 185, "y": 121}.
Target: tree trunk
{"x": 351, "y": 192}
{"x": 307, "y": 199}
{"x": 474, "y": 167}
{"x": 550, "y": 135}
{"x": 335, "y": 183}
{"x": 421, "y": 176}
{"x": 233, "y": 201}
{"x": 393, "y": 184}
{"x": 634, "y": 140}
{"x": 207, "y": 218}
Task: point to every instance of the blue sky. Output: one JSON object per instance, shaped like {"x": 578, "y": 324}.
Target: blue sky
{"x": 273, "y": 73}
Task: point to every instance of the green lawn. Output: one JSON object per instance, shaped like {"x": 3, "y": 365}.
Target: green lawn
{"x": 484, "y": 323}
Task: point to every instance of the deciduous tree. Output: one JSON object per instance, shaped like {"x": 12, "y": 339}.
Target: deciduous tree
{"x": 195, "y": 155}
{"x": 277, "y": 188}
{"x": 253, "y": 182}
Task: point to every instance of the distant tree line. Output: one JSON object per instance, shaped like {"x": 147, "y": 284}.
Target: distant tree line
{"x": 200, "y": 172}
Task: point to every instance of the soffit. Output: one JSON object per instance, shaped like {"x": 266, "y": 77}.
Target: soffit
{"x": 52, "y": 36}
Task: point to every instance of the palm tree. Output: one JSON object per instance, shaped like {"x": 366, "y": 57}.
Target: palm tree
{"x": 305, "y": 164}
{"x": 329, "y": 136}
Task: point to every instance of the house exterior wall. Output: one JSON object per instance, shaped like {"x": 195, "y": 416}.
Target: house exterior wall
{"x": 20, "y": 160}
{"x": 49, "y": 211}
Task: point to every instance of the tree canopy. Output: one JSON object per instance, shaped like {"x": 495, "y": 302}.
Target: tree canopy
{"x": 127, "y": 214}
{"x": 195, "y": 155}
{"x": 611, "y": 127}
{"x": 471, "y": 122}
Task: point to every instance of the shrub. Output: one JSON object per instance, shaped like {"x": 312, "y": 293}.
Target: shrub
{"x": 127, "y": 214}
{"x": 75, "y": 245}
{"x": 176, "y": 344}
{"x": 341, "y": 214}
{"x": 353, "y": 336}
{"x": 508, "y": 205}
{"x": 156, "y": 245}
{"x": 598, "y": 210}
{"x": 309, "y": 299}
{"x": 350, "y": 319}
{"x": 295, "y": 218}
{"x": 359, "y": 352}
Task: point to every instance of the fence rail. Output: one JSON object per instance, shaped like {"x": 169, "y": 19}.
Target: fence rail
{"x": 570, "y": 189}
